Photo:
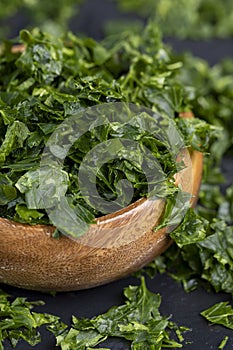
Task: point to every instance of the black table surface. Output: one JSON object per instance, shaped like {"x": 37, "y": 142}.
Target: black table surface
{"x": 184, "y": 308}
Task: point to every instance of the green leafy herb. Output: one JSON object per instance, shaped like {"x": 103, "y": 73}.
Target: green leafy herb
{"x": 53, "y": 17}
{"x": 221, "y": 313}
{"x": 196, "y": 18}
{"x": 204, "y": 257}
{"x": 17, "y": 321}
{"x": 223, "y": 343}
{"x": 138, "y": 321}
{"x": 191, "y": 230}
{"x": 205, "y": 236}
{"x": 54, "y": 79}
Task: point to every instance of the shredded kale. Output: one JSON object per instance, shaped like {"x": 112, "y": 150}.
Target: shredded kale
{"x": 204, "y": 256}
{"x": 221, "y": 313}
{"x": 52, "y": 17}
{"x": 223, "y": 343}
{"x": 138, "y": 320}
{"x": 56, "y": 78}
{"x": 196, "y": 19}
{"x": 17, "y": 321}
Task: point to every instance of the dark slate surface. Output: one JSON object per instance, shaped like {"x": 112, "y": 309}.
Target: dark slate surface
{"x": 183, "y": 307}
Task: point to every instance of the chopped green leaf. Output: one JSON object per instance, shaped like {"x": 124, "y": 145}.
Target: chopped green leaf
{"x": 138, "y": 321}
{"x": 17, "y": 321}
{"x": 55, "y": 78}
{"x": 223, "y": 343}
{"x": 221, "y": 313}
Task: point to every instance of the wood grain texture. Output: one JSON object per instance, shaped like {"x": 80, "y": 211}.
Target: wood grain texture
{"x": 116, "y": 246}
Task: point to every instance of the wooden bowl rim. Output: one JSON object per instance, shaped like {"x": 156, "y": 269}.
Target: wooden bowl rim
{"x": 109, "y": 263}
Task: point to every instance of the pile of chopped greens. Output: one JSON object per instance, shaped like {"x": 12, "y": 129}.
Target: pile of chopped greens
{"x": 17, "y": 321}
{"x": 138, "y": 321}
{"x": 203, "y": 253}
{"x": 196, "y": 19}
{"x": 53, "y": 16}
{"x": 55, "y": 78}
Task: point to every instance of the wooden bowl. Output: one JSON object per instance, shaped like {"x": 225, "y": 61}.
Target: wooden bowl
{"x": 117, "y": 245}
